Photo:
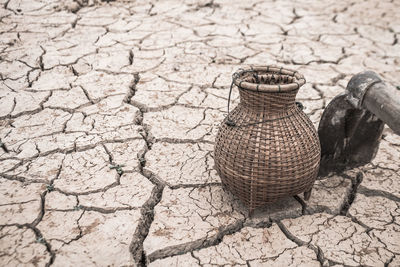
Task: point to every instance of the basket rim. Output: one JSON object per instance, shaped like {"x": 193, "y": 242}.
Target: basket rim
{"x": 239, "y": 82}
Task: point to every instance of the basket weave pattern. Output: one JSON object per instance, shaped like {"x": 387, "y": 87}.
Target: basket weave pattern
{"x": 270, "y": 149}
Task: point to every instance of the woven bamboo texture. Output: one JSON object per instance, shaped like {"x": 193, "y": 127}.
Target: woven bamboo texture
{"x": 267, "y": 148}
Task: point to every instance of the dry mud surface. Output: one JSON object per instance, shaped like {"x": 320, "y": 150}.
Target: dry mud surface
{"x": 142, "y": 86}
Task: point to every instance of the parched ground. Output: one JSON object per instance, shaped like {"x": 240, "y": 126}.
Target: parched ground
{"x": 109, "y": 112}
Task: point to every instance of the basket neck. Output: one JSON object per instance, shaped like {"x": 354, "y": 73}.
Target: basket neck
{"x": 267, "y": 102}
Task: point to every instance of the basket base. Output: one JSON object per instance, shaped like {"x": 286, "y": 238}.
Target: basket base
{"x": 307, "y": 194}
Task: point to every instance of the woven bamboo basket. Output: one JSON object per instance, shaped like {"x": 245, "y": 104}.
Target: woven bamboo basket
{"x": 267, "y": 148}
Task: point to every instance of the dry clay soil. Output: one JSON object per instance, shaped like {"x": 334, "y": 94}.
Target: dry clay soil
{"x": 141, "y": 87}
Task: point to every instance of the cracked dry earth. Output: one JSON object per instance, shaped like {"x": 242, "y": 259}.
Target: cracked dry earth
{"x": 141, "y": 87}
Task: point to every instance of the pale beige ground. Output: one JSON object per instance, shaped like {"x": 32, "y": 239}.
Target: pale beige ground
{"x": 86, "y": 85}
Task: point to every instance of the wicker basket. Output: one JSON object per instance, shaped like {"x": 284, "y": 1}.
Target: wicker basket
{"x": 267, "y": 148}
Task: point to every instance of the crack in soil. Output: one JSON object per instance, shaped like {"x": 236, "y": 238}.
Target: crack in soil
{"x": 355, "y": 183}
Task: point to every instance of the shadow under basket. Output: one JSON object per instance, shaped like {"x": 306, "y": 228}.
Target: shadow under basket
{"x": 267, "y": 148}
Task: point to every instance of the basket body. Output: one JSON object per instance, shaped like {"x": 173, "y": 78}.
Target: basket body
{"x": 271, "y": 150}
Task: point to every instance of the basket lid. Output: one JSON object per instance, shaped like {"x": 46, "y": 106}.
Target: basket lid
{"x": 268, "y": 79}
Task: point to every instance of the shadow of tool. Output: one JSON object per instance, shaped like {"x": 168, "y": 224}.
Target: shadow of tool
{"x": 351, "y": 126}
